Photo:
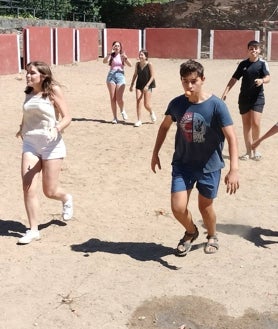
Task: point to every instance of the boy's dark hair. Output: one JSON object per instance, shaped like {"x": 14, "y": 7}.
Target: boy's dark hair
{"x": 191, "y": 66}
{"x": 253, "y": 43}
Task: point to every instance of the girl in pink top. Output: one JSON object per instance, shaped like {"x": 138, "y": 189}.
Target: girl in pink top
{"x": 116, "y": 79}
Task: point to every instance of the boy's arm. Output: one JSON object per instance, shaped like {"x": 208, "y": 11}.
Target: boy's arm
{"x": 232, "y": 179}
{"x": 230, "y": 85}
{"x": 160, "y": 138}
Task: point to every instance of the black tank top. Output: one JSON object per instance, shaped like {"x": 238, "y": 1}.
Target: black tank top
{"x": 143, "y": 76}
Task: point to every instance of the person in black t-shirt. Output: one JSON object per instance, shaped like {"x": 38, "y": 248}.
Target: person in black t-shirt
{"x": 254, "y": 72}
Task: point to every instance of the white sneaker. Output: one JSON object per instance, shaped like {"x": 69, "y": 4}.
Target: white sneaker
{"x": 153, "y": 117}
{"x": 124, "y": 115}
{"x": 138, "y": 124}
{"x": 68, "y": 208}
{"x": 114, "y": 121}
{"x": 29, "y": 236}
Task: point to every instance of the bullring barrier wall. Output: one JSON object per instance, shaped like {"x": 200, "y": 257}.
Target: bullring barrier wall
{"x": 231, "y": 44}
{"x": 58, "y": 46}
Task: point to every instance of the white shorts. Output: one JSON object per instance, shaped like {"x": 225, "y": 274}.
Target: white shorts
{"x": 40, "y": 146}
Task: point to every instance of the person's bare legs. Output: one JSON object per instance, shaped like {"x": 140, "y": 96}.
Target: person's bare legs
{"x": 119, "y": 96}
{"x": 112, "y": 94}
{"x": 30, "y": 172}
{"x": 179, "y": 203}
{"x": 147, "y": 101}
{"x": 50, "y": 180}
{"x": 209, "y": 218}
{"x": 139, "y": 98}
{"x": 247, "y": 132}
{"x": 256, "y": 125}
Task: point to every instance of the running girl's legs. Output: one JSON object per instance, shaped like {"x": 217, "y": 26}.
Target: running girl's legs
{"x": 50, "y": 179}
{"x": 30, "y": 170}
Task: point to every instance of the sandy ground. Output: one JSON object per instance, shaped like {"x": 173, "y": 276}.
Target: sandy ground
{"x": 112, "y": 266}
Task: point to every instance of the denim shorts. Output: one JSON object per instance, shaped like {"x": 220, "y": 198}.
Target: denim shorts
{"x": 44, "y": 149}
{"x": 206, "y": 183}
{"x": 117, "y": 77}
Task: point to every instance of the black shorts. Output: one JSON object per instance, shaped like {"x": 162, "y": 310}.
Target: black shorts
{"x": 245, "y": 108}
{"x": 248, "y": 103}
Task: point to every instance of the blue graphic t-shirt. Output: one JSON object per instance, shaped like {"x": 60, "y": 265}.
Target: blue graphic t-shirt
{"x": 199, "y": 138}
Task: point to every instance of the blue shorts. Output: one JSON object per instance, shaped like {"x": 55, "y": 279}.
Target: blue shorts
{"x": 206, "y": 183}
{"x": 117, "y": 77}
{"x": 42, "y": 148}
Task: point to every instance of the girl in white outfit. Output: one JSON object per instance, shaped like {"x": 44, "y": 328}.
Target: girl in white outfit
{"x": 43, "y": 147}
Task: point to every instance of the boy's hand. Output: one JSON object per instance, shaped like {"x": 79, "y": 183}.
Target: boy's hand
{"x": 232, "y": 182}
{"x": 155, "y": 161}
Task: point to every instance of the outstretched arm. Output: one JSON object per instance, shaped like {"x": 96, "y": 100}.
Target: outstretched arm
{"x": 273, "y": 130}
{"x": 161, "y": 135}
{"x": 230, "y": 85}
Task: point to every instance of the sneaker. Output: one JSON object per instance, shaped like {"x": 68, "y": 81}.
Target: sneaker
{"x": 68, "y": 208}
{"x": 114, "y": 121}
{"x": 29, "y": 236}
{"x": 245, "y": 157}
{"x": 153, "y": 117}
{"x": 257, "y": 156}
{"x": 138, "y": 124}
{"x": 124, "y": 115}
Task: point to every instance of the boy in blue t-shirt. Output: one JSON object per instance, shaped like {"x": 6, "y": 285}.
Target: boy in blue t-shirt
{"x": 203, "y": 122}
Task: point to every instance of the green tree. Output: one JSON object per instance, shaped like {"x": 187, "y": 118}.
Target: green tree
{"x": 53, "y": 9}
{"x": 89, "y": 8}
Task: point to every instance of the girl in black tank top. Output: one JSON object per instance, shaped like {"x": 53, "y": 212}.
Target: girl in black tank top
{"x": 144, "y": 77}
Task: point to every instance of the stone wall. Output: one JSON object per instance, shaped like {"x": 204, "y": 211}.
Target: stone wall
{"x": 14, "y": 25}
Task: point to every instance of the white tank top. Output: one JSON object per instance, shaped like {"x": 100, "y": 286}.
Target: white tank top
{"x": 38, "y": 115}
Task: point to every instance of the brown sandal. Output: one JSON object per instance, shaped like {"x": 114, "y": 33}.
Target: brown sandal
{"x": 185, "y": 243}
{"x": 213, "y": 244}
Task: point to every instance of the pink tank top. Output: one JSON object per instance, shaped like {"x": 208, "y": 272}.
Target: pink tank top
{"x": 117, "y": 63}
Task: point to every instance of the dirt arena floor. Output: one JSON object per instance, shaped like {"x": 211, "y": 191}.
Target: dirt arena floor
{"x": 112, "y": 266}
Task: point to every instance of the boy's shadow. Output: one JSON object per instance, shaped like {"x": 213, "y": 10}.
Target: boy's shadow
{"x": 17, "y": 229}
{"x": 252, "y": 234}
{"x": 142, "y": 251}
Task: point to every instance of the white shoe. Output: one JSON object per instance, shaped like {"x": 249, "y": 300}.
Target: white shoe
{"x": 114, "y": 121}
{"x": 68, "y": 208}
{"x": 124, "y": 115}
{"x": 153, "y": 117}
{"x": 29, "y": 236}
{"x": 138, "y": 124}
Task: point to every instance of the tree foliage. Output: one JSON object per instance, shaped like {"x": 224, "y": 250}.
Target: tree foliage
{"x": 114, "y": 13}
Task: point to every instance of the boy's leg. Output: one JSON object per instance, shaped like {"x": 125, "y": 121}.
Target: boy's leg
{"x": 209, "y": 218}
{"x": 179, "y": 202}
{"x": 208, "y": 214}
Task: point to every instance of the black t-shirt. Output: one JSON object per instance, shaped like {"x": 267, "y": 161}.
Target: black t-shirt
{"x": 249, "y": 71}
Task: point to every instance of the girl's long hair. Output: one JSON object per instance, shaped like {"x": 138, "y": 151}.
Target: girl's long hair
{"x": 48, "y": 83}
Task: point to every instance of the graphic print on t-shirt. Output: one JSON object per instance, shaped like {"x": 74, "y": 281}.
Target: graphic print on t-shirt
{"x": 194, "y": 127}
